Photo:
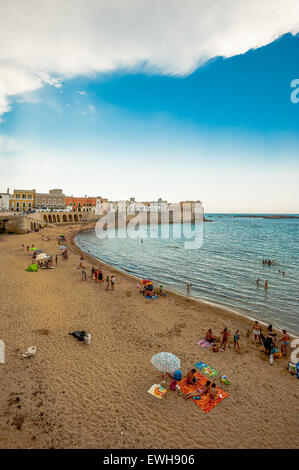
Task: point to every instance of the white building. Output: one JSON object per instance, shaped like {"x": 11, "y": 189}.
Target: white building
{"x": 4, "y": 202}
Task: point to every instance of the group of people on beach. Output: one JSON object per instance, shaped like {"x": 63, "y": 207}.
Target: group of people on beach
{"x": 208, "y": 388}
{"x": 269, "y": 340}
{"x": 269, "y": 262}
{"x": 97, "y": 275}
{"x": 210, "y": 338}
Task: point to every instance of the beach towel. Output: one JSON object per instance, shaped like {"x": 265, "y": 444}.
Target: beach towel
{"x": 203, "y": 343}
{"x": 157, "y": 391}
{"x": 206, "y": 403}
{"x": 152, "y": 298}
{"x": 207, "y": 370}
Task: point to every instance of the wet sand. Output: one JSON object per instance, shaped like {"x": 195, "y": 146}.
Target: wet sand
{"x": 72, "y": 395}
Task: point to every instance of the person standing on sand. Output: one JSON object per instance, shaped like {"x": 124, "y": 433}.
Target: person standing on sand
{"x": 22, "y": 246}
{"x": 225, "y": 335}
{"x": 83, "y": 274}
{"x": 237, "y": 340}
{"x": 112, "y": 280}
{"x": 56, "y": 259}
{"x": 27, "y": 249}
{"x": 100, "y": 275}
{"x": 107, "y": 282}
{"x": 285, "y": 342}
{"x": 257, "y": 332}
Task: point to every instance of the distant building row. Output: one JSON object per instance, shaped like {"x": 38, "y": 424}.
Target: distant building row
{"x": 26, "y": 200}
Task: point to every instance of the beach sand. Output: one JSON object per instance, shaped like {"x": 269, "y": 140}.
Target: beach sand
{"x": 72, "y": 395}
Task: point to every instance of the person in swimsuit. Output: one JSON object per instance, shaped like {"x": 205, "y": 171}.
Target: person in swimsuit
{"x": 225, "y": 335}
{"x": 213, "y": 391}
{"x": 285, "y": 342}
{"x": 200, "y": 391}
{"x": 209, "y": 337}
{"x": 191, "y": 376}
{"x": 271, "y": 334}
{"x": 237, "y": 339}
{"x": 108, "y": 282}
{"x": 257, "y": 332}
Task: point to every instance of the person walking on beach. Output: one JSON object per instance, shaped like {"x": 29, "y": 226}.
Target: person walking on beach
{"x": 56, "y": 259}
{"x": 237, "y": 340}
{"x": 225, "y": 335}
{"x": 22, "y": 246}
{"x": 257, "y": 332}
{"x": 100, "y": 275}
{"x": 112, "y": 281}
{"x": 83, "y": 274}
{"x": 27, "y": 249}
{"x": 107, "y": 282}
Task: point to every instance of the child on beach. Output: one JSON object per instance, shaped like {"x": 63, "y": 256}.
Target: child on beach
{"x": 107, "y": 282}
{"x": 237, "y": 340}
{"x": 112, "y": 280}
{"x": 257, "y": 332}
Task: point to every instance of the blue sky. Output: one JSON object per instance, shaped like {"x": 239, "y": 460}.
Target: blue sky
{"x": 226, "y": 133}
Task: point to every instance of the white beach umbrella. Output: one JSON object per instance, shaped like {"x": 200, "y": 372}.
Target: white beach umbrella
{"x": 41, "y": 256}
{"x": 166, "y": 362}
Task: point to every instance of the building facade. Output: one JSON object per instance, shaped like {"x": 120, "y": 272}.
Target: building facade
{"x": 81, "y": 204}
{"x": 4, "y": 202}
{"x": 101, "y": 205}
{"x": 22, "y": 200}
{"x": 54, "y": 199}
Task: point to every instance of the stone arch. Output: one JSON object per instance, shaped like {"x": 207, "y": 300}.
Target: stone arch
{"x": 70, "y": 218}
{"x": 58, "y": 218}
{"x": 64, "y": 218}
{"x": 31, "y": 226}
{"x": 75, "y": 218}
{"x": 80, "y": 216}
{"x": 54, "y": 218}
{"x": 45, "y": 218}
{"x": 50, "y": 218}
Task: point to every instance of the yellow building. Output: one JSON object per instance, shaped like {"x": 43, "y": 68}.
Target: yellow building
{"x": 22, "y": 200}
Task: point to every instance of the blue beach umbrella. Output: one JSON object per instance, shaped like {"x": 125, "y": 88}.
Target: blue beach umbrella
{"x": 166, "y": 362}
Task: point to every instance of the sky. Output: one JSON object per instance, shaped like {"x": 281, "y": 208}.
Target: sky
{"x": 146, "y": 99}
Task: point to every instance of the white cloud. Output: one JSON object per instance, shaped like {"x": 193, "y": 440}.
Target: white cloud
{"x": 82, "y": 93}
{"x": 50, "y": 41}
{"x": 9, "y": 146}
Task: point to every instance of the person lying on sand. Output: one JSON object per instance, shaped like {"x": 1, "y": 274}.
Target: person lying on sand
{"x": 200, "y": 391}
{"x": 213, "y": 391}
{"x": 190, "y": 376}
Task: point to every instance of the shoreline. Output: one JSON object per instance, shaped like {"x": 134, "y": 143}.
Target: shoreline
{"x": 201, "y": 302}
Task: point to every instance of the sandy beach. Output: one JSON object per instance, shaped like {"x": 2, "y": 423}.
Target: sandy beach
{"x": 72, "y": 395}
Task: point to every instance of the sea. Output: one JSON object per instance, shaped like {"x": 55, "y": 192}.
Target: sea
{"x": 222, "y": 266}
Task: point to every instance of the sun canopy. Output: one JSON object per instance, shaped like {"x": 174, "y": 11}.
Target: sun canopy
{"x": 166, "y": 362}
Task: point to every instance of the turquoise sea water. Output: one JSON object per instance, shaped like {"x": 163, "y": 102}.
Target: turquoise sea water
{"x": 224, "y": 270}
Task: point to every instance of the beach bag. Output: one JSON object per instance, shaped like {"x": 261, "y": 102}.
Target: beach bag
{"x": 177, "y": 375}
{"x": 173, "y": 385}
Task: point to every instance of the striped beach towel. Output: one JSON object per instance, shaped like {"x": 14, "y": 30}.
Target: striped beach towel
{"x": 203, "y": 343}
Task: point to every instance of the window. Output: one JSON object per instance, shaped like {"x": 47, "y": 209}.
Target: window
{"x": 29, "y": 196}
{"x": 59, "y": 201}
{"x": 54, "y": 201}
{"x": 17, "y": 196}
{"x": 44, "y": 201}
{"x": 49, "y": 201}
{"x": 18, "y": 204}
{"x": 29, "y": 204}
{"x": 24, "y": 197}
{"x": 24, "y": 204}
{"x": 84, "y": 204}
